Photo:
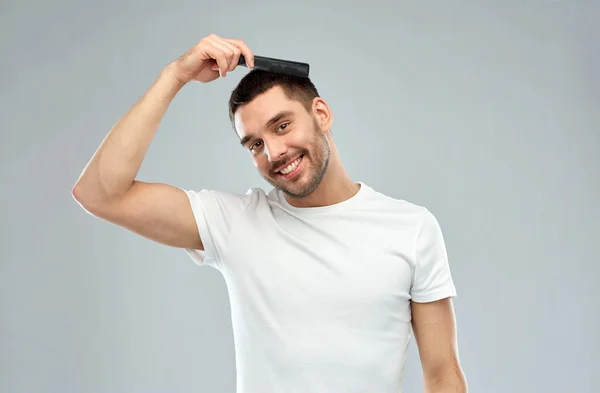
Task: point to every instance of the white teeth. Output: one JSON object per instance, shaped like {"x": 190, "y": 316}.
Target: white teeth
{"x": 290, "y": 167}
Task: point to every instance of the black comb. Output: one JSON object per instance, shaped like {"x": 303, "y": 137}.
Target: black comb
{"x": 270, "y": 64}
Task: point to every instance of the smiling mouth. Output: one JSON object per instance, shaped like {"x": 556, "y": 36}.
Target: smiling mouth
{"x": 292, "y": 169}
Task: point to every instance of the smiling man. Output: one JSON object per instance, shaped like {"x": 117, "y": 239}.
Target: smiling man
{"x": 327, "y": 277}
{"x": 266, "y": 109}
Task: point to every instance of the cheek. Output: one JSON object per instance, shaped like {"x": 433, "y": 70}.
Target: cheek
{"x": 255, "y": 160}
{"x": 261, "y": 163}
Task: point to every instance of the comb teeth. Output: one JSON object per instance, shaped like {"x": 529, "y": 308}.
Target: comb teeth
{"x": 281, "y": 66}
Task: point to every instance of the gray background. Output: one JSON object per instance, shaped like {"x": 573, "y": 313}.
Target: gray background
{"x": 485, "y": 113}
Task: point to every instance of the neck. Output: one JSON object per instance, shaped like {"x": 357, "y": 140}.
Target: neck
{"x": 336, "y": 186}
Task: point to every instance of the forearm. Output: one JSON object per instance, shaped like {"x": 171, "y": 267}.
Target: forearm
{"x": 114, "y": 166}
{"x": 450, "y": 381}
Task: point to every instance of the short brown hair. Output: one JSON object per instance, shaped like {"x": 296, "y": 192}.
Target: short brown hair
{"x": 257, "y": 82}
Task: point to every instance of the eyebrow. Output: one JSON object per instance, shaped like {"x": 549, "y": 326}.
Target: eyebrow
{"x": 278, "y": 116}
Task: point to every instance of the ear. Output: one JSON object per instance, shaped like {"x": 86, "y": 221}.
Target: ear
{"x": 322, "y": 114}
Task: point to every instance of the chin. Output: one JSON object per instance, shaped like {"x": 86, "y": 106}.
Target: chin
{"x": 301, "y": 187}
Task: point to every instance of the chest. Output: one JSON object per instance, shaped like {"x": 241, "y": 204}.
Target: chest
{"x": 304, "y": 272}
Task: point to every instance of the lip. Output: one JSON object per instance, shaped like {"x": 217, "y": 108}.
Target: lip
{"x": 286, "y": 164}
{"x": 294, "y": 172}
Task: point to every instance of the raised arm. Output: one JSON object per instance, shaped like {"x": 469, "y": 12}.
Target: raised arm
{"x": 107, "y": 187}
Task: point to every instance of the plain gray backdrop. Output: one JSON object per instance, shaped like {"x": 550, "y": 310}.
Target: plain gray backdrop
{"x": 487, "y": 113}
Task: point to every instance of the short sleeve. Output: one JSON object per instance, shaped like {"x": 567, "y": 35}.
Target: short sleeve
{"x": 432, "y": 279}
{"x": 216, "y": 213}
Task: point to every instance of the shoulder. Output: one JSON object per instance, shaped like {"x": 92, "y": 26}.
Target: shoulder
{"x": 392, "y": 204}
{"x": 225, "y": 200}
{"x": 402, "y": 214}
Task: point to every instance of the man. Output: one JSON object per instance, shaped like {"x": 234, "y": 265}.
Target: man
{"x": 326, "y": 275}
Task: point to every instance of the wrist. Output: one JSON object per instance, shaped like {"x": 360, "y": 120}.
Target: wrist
{"x": 165, "y": 86}
{"x": 169, "y": 77}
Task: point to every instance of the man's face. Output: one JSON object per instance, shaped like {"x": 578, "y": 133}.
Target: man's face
{"x": 285, "y": 141}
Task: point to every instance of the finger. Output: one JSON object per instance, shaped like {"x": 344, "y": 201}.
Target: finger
{"x": 214, "y": 66}
{"x": 229, "y": 54}
{"x": 233, "y": 60}
{"x": 216, "y": 51}
{"x": 248, "y": 55}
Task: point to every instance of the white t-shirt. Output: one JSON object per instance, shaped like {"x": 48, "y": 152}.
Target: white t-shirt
{"x": 320, "y": 297}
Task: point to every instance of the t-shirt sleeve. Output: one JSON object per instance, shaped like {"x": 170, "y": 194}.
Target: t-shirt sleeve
{"x": 432, "y": 279}
{"x": 216, "y": 213}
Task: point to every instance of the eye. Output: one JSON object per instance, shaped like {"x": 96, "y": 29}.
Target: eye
{"x": 283, "y": 126}
{"x": 254, "y": 145}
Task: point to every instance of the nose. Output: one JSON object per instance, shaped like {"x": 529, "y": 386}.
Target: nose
{"x": 275, "y": 149}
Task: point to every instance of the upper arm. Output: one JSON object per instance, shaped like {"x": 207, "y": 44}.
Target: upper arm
{"x": 157, "y": 211}
{"x": 434, "y": 328}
